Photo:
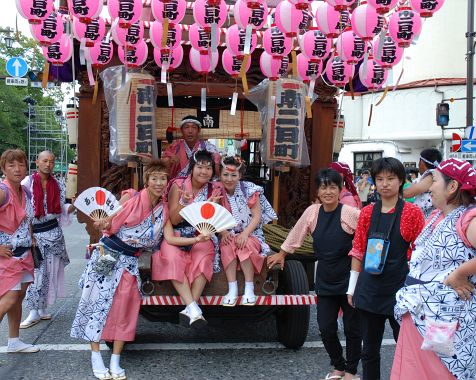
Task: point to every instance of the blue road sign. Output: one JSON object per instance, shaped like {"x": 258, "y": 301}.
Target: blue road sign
{"x": 468, "y": 146}
{"x": 17, "y": 67}
{"x": 469, "y": 132}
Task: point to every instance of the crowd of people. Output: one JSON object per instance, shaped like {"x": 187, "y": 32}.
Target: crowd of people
{"x": 377, "y": 260}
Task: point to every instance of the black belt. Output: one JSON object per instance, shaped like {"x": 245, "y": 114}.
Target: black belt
{"x": 18, "y": 251}
{"x": 409, "y": 281}
{"x": 113, "y": 242}
{"x": 46, "y": 226}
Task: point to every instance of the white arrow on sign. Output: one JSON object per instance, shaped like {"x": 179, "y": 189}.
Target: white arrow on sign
{"x": 16, "y": 64}
{"x": 468, "y": 145}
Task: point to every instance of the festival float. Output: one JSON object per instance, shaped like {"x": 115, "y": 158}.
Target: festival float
{"x": 266, "y": 74}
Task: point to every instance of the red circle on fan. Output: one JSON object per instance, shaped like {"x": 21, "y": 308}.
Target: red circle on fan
{"x": 100, "y": 197}
{"x": 207, "y": 210}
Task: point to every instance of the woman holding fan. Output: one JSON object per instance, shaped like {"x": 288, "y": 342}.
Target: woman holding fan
{"x": 184, "y": 258}
{"x": 110, "y": 301}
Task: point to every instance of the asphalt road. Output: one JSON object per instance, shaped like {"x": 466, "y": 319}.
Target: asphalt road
{"x": 228, "y": 350}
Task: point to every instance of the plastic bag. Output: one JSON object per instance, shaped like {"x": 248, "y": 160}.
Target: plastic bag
{"x": 131, "y": 100}
{"x": 105, "y": 261}
{"x": 439, "y": 337}
{"x": 282, "y": 108}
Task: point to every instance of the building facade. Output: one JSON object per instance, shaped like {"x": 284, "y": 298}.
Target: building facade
{"x": 434, "y": 69}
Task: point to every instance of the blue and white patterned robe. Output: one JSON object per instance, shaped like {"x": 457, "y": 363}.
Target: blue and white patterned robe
{"x": 437, "y": 253}
{"x": 242, "y": 213}
{"x": 98, "y": 290}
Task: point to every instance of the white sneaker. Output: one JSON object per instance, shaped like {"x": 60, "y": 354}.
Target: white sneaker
{"x": 21, "y": 347}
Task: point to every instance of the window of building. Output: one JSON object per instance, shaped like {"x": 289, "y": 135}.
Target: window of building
{"x": 363, "y": 160}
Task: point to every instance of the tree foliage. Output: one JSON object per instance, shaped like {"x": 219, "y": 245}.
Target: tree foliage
{"x": 13, "y": 122}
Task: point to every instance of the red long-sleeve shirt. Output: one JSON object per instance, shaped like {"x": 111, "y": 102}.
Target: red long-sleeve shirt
{"x": 411, "y": 224}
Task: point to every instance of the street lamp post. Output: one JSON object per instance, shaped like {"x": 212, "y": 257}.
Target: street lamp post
{"x": 8, "y": 39}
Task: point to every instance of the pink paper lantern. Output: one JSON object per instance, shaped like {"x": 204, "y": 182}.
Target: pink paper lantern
{"x": 314, "y": 45}
{"x": 340, "y": 5}
{"x": 390, "y": 55}
{"x": 134, "y": 56}
{"x": 276, "y": 43}
{"x": 60, "y": 52}
{"x": 273, "y": 67}
{"x": 331, "y": 22}
{"x": 338, "y": 72}
{"x": 288, "y": 18}
{"x": 374, "y": 76}
{"x": 306, "y": 21}
{"x": 174, "y": 35}
{"x": 85, "y": 10}
{"x": 366, "y": 22}
{"x": 90, "y": 33}
{"x": 100, "y": 54}
{"x": 127, "y": 12}
{"x": 250, "y": 13}
{"x": 404, "y": 25}
{"x": 301, "y": 4}
{"x": 130, "y": 36}
{"x": 206, "y": 14}
{"x": 235, "y": 40}
{"x": 203, "y": 63}
{"x": 200, "y": 39}
{"x": 308, "y": 69}
{"x": 232, "y": 64}
{"x": 426, "y": 8}
{"x": 172, "y": 58}
{"x": 49, "y": 30}
{"x": 382, "y": 6}
{"x": 172, "y": 10}
{"x": 350, "y": 47}
{"x": 34, "y": 11}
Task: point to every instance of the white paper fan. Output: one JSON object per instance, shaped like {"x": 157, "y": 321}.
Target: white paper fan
{"x": 208, "y": 217}
{"x": 97, "y": 203}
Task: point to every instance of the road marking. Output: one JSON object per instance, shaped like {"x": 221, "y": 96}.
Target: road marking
{"x": 187, "y": 346}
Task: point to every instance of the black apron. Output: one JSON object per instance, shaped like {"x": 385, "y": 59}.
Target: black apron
{"x": 376, "y": 293}
{"x": 331, "y": 247}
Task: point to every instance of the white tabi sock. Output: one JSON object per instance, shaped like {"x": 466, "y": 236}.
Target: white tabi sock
{"x": 97, "y": 362}
{"x": 194, "y": 310}
{"x": 233, "y": 289}
{"x": 249, "y": 289}
{"x": 12, "y": 341}
{"x": 114, "y": 364}
{"x": 33, "y": 316}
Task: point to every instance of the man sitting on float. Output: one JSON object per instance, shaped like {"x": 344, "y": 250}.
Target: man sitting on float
{"x": 180, "y": 151}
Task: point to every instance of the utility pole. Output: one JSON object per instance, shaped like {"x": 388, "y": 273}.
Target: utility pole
{"x": 469, "y": 69}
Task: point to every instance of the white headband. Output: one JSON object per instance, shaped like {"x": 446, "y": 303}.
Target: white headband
{"x": 194, "y": 121}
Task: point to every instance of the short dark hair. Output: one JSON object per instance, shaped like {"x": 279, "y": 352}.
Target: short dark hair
{"x": 201, "y": 156}
{"x": 431, "y": 155}
{"x": 391, "y": 165}
{"x": 234, "y": 161}
{"x": 328, "y": 176}
{"x": 365, "y": 172}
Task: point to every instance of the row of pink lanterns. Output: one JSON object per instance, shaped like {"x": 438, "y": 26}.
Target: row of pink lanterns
{"x": 367, "y": 21}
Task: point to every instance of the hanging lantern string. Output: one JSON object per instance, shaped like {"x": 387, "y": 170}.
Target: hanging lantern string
{"x": 371, "y": 109}
{"x": 339, "y": 112}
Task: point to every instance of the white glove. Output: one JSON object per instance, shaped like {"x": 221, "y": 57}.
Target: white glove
{"x": 354, "y": 276}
